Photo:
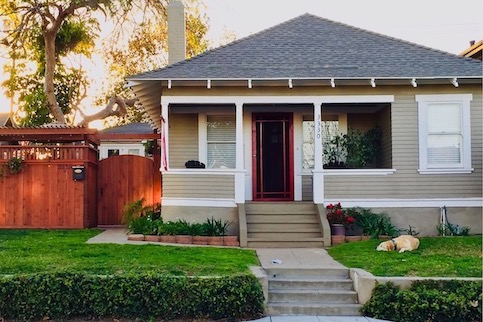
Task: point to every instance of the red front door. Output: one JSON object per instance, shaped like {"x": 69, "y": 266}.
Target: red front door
{"x": 272, "y": 136}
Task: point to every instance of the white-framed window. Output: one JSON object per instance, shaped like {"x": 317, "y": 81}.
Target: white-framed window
{"x": 444, "y": 133}
{"x": 108, "y": 149}
{"x": 220, "y": 142}
{"x": 330, "y": 128}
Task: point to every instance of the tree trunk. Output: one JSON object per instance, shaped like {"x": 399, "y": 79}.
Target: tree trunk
{"x": 52, "y": 105}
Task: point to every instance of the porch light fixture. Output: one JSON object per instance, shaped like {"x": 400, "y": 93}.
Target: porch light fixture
{"x": 373, "y": 82}
{"x": 413, "y": 82}
{"x": 208, "y": 83}
{"x": 169, "y": 84}
{"x": 249, "y": 83}
{"x": 332, "y": 83}
{"x": 290, "y": 84}
{"x": 454, "y": 81}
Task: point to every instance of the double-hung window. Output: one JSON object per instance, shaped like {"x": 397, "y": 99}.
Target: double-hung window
{"x": 444, "y": 133}
{"x": 221, "y": 141}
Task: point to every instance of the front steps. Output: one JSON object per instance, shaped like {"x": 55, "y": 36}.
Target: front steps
{"x": 283, "y": 225}
{"x": 311, "y": 291}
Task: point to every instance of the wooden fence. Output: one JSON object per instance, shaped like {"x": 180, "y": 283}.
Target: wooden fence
{"x": 44, "y": 194}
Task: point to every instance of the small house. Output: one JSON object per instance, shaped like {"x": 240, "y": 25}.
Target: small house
{"x": 267, "y": 115}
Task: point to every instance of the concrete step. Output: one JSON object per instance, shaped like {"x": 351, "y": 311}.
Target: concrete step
{"x": 312, "y": 296}
{"x": 284, "y": 228}
{"x": 281, "y": 283}
{"x": 292, "y": 218}
{"x": 279, "y": 207}
{"x": 282, "y": 236}
{"x": 304, "y": 243}
{"x": 302, "y": 308}
{"x": 302, "y": 274}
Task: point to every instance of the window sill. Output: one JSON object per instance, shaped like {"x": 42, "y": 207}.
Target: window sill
{"x": 352, "y": 172}
{"x": 202, "y": 171}
{"x": 445, "y": 171}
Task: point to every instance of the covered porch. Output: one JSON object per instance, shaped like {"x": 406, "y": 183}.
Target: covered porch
{"x": 243, "y": 167}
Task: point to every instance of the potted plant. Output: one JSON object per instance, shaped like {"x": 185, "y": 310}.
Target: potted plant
{"x": 338, "y": 219}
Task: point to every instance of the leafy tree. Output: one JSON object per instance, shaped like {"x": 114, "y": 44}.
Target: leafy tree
{"x": 47, "y": 31}
{"x": 146, "y": 49}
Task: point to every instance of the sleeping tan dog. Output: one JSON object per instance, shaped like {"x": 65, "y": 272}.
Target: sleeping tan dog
{"x": 401, "y": 244}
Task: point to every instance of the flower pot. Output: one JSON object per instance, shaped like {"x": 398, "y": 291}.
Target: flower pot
{"x": 231, "y": 241}
{"x": 184, "y": 239}
{"x": 151, "y": 238}
{"x": 200, "y": 240}
{"x": 337, "y": 229}
{"x": 215, "y": 240}
{"x": 135, "y": 237}
{"x": 167, "y": 239}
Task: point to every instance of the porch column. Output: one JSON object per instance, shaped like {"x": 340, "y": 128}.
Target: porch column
{"x": 240, "y": 168}
{"x": 164, "y": 137}
{"x": 318, "y": 172}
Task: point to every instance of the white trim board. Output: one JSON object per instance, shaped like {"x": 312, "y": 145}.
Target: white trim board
{"x": 408, "y": 203}
{"x": 347, "y": 203}
{"x": 220, "y": 99}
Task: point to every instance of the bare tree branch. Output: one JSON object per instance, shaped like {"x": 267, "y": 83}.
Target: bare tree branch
{"x": 117, "y": 106}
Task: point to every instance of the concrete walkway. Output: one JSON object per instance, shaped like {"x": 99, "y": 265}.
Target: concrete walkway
{"x": 269, "y": 258}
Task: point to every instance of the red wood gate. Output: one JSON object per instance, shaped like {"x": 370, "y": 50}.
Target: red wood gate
{"x": 123, "y": 179}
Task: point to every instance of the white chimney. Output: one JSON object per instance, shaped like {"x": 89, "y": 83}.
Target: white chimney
{"x": 176, "y": 32}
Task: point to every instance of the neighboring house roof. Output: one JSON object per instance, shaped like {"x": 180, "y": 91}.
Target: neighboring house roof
{"x": 5, "y": 119}
{"x": 474, "y": 51}
{"x": 132, "y": 128}
{"x": 128, "y": 132}
{"x": 312, "y": 47}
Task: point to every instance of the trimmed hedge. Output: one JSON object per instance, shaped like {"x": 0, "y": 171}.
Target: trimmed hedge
{"x": 429, "y": 300}
{"x": 145, "y": 296}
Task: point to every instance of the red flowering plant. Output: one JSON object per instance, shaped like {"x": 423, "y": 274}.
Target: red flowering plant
{"x": 337, "y": 215}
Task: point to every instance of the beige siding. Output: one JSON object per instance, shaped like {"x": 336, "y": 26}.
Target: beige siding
{"x": 407, "y": 182}
{"x": 402, "y": 129}
{"x": 183, "y": 139}
{"x": 307, "y": 188}
{"x": 198, "y": 186}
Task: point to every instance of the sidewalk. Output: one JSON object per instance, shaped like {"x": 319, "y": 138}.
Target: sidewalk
{"x": 269, "y": 258}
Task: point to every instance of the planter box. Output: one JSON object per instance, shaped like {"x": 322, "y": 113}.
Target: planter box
{"x": 337, "y": 239}
{"x": 184, "y": 239}
{"x": 353, "y": 238}
{"x": 167, "y": 239}
{"x": 200, "y": 240}
{"x": 231, "y": 241}
{"x": 151, "y": 238}
{"x": 215, "y": 240}
{"x": 135, "y": 237}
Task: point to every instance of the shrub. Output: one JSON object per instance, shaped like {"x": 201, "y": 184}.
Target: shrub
{"x": 372, "y": 224}
{"x": 144, "y": 296}
{"x": 430, "y": 300}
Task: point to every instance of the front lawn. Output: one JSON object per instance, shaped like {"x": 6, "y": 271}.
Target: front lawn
{"x": 436, "y": 257}
{"x": 35, "y": 251}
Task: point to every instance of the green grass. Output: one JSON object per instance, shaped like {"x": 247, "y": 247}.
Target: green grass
{"x": 436, "y": 257}
{"x": 33, "y": 251}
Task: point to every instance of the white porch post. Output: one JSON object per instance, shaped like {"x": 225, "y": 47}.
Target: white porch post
{"x": 318, "y": 172}
{"x": 240, "y": 169}
{"x": 164, "y": 137}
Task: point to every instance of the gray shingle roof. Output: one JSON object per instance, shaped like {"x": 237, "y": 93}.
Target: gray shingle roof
{"x": 312, "y": 47}
{"x": 131, "y": 128}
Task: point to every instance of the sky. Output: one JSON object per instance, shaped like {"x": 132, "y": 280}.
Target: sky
{"x": 447, "y": 25}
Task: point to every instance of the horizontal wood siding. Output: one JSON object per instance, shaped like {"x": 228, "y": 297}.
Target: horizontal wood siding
{"x": 407, "y": 182}
{"x": 385, "y": 154}
{"x": 307, "y": 188}
{"x": 198, "y": 186}
{"x": 183, "y": 139}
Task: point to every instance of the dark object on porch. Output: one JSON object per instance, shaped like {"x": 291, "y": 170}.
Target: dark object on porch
{"x": 194, "y": 164}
